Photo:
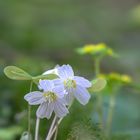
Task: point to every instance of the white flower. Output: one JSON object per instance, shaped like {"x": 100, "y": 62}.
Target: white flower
{"x": 52, "y": 71}
{"x": 75, "y": 86}
{"x": 51, "y": 99}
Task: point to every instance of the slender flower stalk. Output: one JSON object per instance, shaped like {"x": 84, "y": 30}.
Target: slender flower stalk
{"x": 111, "y": 109}
{"x": 58, "y": 123}
{"x": 97, "y": 66}
{"x": 56, "y": 132}
{"x": 51, "y": 128}
{"x": 54, "y": 129}
{"x": 37, "y": 128}
{"x": 29, "y": 113}
{"x": 100, "y": 100}
{"x": 110, "y": 114}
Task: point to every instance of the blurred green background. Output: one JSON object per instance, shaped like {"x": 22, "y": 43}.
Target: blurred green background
{"x": 35, "y": 35}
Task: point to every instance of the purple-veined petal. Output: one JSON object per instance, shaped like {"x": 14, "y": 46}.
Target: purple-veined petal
{"x": 34, "y": 98}
{"x": 60, "y": 109}
{"x": 82, "y": 81}
{"x": 59, "y": 91}
{"x": 49, "y": 110}
{"x": 41, "y": 111}
{"x": 58, "y": 82}
{"x": 82, "y": 95}
{"x": 45, "y": 110}
{"x": 69, "y": 97}
{"x": 65, "y": 72}
{"x": 46, "y": 85}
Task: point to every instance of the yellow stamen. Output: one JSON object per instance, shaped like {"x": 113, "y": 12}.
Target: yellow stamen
{"x": 70, "y": 83}
{"x": 50, "y": 96}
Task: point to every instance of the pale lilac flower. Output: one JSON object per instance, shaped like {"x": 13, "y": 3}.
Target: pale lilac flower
{"x": 75, "y": 86}
{"x": 50, "y": 99}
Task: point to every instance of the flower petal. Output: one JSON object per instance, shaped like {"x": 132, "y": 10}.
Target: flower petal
{"x": 49, "y": 110}
{"x": 46, "y": 85}
{"x": 60, "y": 109}
{"x": 82, "y": 81}
{"x": 65, "y": 71}
{"x": 41, "y": 111}
{"x": 58, "y": 82}
{"x": 59, "y": 91}
{"x": 70, "y": 96}
{"x": 45, "y": 110}
{"x": 82, "y": 95}
{"x": 34, "y": 98}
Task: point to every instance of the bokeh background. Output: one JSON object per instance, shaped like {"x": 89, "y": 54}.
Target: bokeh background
{"x": 36, "y": 35}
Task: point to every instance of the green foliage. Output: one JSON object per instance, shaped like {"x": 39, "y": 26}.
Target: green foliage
{"x": 16, "y": 73}
{"x": 82, "y": 132}
{"x": 98, "y": 85}
{"x": 10, "y": 133}
{"x": 126, "y": 135}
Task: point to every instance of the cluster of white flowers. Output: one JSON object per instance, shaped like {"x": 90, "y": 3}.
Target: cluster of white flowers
{"x": 57, "y": 94}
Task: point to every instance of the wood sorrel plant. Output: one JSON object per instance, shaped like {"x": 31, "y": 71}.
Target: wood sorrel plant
{"x": 54, "y": 95}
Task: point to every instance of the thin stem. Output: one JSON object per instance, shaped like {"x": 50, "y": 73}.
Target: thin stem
{"x": 50, "y": 130}
{"x": 100, "y": 109}
{"x": 54, "y": 129}
{"x": 29, "y": 113}
{"x": 97, "y": 66}
{"x": 110, "y": 114}
{"x": 100, "y": 100}
{"x": 56, "y": 132}
{"x": 37, "y": 128}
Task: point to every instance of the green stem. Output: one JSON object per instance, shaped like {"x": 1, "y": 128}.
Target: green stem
{"x": 97, "y": 66}
{"x": 100, "y": 100}
{"x": 37, "y": 128}
{"x": 110, "y": 114}
{"x": 100, "y": 109}
{"x": 29, "y": 114}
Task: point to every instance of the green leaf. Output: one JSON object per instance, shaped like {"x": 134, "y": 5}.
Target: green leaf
{"x": 16, "y": 73}
{"x": 98, "y": 84}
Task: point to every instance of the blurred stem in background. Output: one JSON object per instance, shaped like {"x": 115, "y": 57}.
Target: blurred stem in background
{"x": 111, "y": 108}
{"x": 110, "y": 115}
{"x": 97, "y": 66}
{"x": 29, "y": 114}
{"x": 99, "y": 96}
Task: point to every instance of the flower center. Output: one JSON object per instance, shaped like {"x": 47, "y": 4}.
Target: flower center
{"x": 50, "y": 96}
{"x": 70, "y": 83}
